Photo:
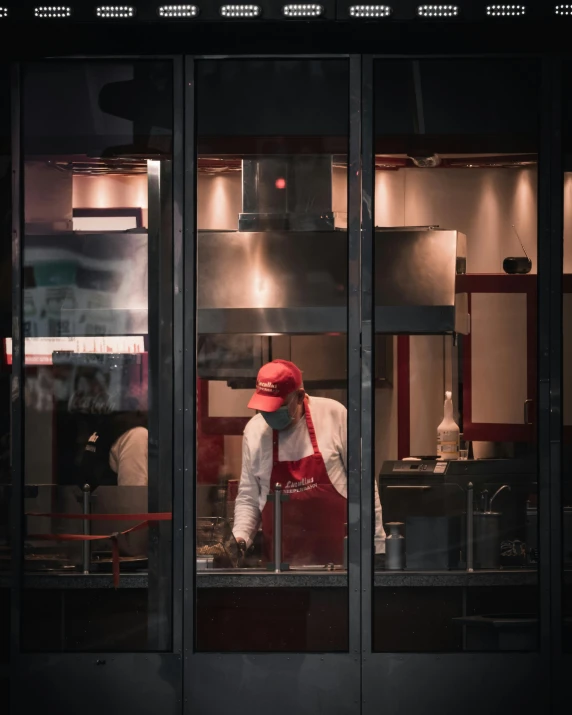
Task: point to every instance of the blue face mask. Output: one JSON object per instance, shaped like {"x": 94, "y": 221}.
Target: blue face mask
{"x": 279, "y": 420}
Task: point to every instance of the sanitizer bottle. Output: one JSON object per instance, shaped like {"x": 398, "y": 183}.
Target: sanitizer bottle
{"x": 448, "y": 433}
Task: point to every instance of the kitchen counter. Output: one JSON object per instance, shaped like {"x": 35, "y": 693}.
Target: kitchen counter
{"x": 255, "y": 578}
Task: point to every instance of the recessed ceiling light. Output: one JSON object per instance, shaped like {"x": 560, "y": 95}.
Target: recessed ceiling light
{"x": 370, "y": 11}
{"x": 53, "y": 11}
{"x": 3, "y": 12}
{"x": 563, "y": 10}
{"x": 506, "y": 10}
{"x": 438, "y": 10}
{"x": 115, "y": 11}
{"x": 178, "y": 11}
{"x": 302, "y": 10}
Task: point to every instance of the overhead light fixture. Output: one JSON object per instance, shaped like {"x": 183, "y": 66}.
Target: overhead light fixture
{"x": 115, "y": 11}
{"x": 563, "y": 10}
{"x": 53, "y": 11}
{"x": 178, "y": 11}
{"x": 241, "y": 10}
{"x": 302, "y": 10}
{"x": 438, "y": 11}
{"x": 506, "y": 10}
{"x": 370, "y": 11}
{"x": 3, "y": 12}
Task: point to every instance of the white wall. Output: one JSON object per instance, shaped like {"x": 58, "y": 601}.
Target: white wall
{"x": 111, "y": 191}
{"x": 219, "y": 201}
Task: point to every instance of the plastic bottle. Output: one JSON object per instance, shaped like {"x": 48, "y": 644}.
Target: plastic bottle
{"x": 448, "y": 433}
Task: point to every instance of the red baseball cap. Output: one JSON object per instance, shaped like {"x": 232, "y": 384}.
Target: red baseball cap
{"x": 276, "y": 380}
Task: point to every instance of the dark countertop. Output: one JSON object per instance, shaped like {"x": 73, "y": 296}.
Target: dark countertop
{"x": 309, "y": 579}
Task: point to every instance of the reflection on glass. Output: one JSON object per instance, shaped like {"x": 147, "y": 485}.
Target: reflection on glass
{"x": 567, "y": 380}
{"x": 272, "y": 357}
{"x": 455, "y": 437}
{"x": 5, "y": 331}
{"x": 91, "y": 207}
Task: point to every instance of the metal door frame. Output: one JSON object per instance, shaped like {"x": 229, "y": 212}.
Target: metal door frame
{"x": 118, "y": 681}
{"x": 305, "y": 682}
{"x": 182, "y": 678}
{"x": 386, "y": 676}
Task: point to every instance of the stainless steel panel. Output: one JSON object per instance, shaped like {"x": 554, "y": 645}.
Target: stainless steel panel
{"x": 252, "y": 283}
{"x": 277, "y": 683}
{"x": 489, "y": 683}
{"x": 287, "y": 192}
{"x": 98, "y": 683}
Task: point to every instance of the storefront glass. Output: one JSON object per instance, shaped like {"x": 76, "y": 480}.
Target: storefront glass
{"x": 567, "y": 372}
{"x": 455, "y": 295}
{"x": 97, "y": 144}
{"x": 272, "y": 285}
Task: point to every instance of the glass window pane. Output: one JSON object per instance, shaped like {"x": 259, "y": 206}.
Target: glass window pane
{"x": 455, "y": 304}
{"x": 272, "y": 285}
{"x": 96, "y": 145}
{"x": 5, "y": 332}
{"x": 567, "y": 372}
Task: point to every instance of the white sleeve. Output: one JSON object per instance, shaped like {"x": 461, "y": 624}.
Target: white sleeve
{"x": 128, "y": 457}
{"x": 246, "y": 507}
{"x": 379, "y": 538}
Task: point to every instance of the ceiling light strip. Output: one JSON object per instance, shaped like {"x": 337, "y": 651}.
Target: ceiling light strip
{"x": 180, "y": 11}
{"x": 3, "y": 12}
{"x": 106, "y": 12}
{"x": 52, "y": 11}
{"x": 234, "y": 11}
{"x": 563, "y": 10}
{"x": 303, "y": 10}
{"x": 506, "y": 10}
{"x": 365, "y": 11}
{"x": 438, "y": 11}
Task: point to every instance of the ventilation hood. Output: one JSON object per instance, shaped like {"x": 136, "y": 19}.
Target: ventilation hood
{"x": 286, "y": 270}
{"x": 295, "y": 282}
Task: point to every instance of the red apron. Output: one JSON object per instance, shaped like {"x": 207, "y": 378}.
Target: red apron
{"x": 314, "y": 517}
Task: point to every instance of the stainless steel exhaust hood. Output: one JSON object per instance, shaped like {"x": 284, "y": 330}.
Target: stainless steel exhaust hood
{"x": 286, "y": 270}
{"x": 295, "y": 282}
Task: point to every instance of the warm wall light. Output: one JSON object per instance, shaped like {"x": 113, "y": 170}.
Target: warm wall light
{"x": 178, "y": 11}
{"x": 53, "y": 11}
{"x": 302, "y": 10}
{"x": 115, "y": 11}
{"x": 370, "y": 11}
{"x": 506, "y": 10}
{"x": 240, "y": 11}
{"x": 438, "y": 10}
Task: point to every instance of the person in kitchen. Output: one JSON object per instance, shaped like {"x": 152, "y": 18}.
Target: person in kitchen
{"x": 299, "y": 442}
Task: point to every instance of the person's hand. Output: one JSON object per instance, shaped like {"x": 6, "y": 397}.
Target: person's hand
{"x": 241, "y": 543}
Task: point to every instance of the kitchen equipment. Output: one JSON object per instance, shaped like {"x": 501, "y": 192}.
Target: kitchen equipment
{"x": 205, "y": 563}
{"x": 418, "y": 295}
{"x": 394, "y": 547}
{"x": 431, "y": 488}
{"x": 432, "y": 543}
{"x": 487, "y": 532}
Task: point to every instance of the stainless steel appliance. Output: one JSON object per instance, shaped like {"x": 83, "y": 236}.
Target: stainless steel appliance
{"x": 430, "y": 497}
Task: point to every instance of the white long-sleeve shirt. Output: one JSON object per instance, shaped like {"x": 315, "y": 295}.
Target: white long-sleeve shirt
{"x": 128, "y": 457}
{"x": 330, "y": 423}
